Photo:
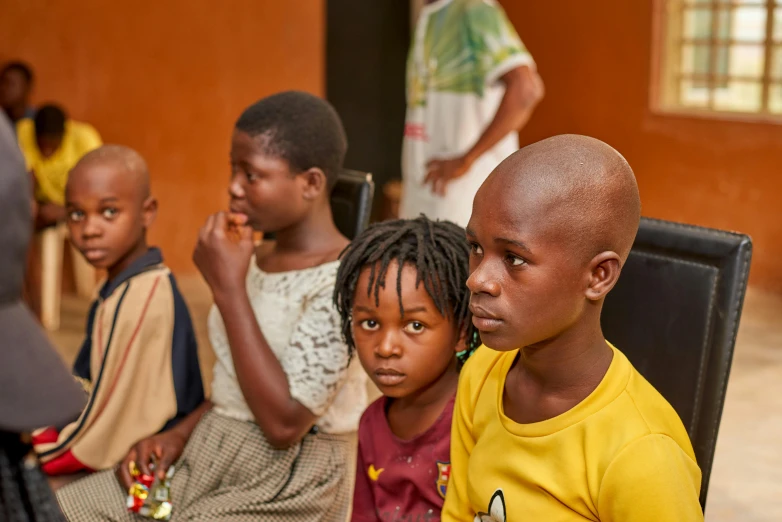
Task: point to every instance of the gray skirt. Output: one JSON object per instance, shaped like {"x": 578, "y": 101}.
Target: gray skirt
{"x": 229, "y": 472}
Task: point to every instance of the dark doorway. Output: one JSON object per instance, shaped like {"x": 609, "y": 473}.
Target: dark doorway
{"x": 366, "y": 55}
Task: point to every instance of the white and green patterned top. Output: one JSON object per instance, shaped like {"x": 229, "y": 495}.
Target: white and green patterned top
{"x": 460, "y": 50}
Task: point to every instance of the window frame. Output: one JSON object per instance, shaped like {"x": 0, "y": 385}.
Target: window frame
{"x": 662, "y": 97}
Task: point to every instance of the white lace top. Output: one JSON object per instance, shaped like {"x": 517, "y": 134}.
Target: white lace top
{"x": 299, "y": 321}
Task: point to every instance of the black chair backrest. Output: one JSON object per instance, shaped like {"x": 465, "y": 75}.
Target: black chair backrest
{"x": 351, "y": 202}
{"x": 675, "y": 314}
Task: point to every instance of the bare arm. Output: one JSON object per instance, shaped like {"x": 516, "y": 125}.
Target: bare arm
{"x": 264, "y": 384}
{"x": 523, "y": 91}
{"x": 224, "y": 261}
{"x": 45, "y": 213}
{"x": 49, "y": 214}
{"x": 33, "y": 188}
{"x": 185, "y": 427}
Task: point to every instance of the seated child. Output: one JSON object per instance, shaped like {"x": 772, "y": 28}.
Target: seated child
{"x": 52, "y": 144}
{"x": 139, "y": 361}
{"x": 400, "y": 290}
{"x": 277, "y": 440}
{"x": 551, "y": 422}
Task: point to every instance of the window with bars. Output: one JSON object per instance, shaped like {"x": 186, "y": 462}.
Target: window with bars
{"x": 720, "y": 56}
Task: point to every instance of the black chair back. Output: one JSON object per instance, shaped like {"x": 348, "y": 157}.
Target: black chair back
{"x": 351, "y": 202}
{"x": 675, "y": 314}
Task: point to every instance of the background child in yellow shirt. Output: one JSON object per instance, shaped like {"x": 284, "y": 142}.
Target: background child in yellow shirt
{"x": 551, "y": 422}
{"x": 52, "y": 145}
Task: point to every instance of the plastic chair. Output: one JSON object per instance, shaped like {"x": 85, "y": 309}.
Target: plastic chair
{"x": 52, "y": 241}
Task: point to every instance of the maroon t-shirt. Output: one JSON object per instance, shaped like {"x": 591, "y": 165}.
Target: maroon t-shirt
{"x": 401, "y": 480}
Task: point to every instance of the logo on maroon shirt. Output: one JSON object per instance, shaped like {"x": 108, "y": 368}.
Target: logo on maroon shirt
{"x": 443, "y": 474}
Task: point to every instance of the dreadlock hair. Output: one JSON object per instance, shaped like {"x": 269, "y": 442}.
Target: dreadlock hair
{"x": 438, "y": 252}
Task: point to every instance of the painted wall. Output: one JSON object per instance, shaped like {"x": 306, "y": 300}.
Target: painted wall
{"x": 595, "y": 59}
{"x": 168, "y": 79}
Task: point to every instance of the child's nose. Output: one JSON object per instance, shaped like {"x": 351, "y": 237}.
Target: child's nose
{"x": 389, "y": 346}
{"x": 235, "y": 189}
{"x": 483, "y": 281}
{"x": 91, "y": 228}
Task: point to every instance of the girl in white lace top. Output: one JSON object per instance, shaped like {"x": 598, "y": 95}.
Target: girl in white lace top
{"x": 278, "y": 443}
{"x": 297, "y": 317}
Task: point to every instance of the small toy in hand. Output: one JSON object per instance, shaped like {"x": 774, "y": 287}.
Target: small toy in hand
{"x": 149, "y": 496}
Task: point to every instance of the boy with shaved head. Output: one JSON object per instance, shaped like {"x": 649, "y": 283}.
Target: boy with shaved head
{"x": 139, "y": 361}
{"x": 551, "y": 422}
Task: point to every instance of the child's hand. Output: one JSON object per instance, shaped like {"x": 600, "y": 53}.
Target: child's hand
{"x": 167, "y": 447}
{"x": 223, "y": 252}
{"x": 235, "y": 224}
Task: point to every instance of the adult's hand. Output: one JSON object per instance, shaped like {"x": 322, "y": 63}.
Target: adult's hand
{"x": 440, "y": 172}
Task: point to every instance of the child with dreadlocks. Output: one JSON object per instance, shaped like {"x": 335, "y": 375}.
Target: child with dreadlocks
{"x": 405, "y": 309}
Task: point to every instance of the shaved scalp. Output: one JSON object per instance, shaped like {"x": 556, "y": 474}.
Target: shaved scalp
{"x": 123, "y": 158}
{"x": 583, "y": 187}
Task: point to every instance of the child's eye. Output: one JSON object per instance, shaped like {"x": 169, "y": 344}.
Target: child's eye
{"x": 414, "y": 328}
{"x": 369, "y": 325}
{"x": 476, "y": 249}
{"x": 515, "y": 260}
{"x": 109, "y": 213}
{"x": 250, "y": 177}
{"x": 75, "y": 215}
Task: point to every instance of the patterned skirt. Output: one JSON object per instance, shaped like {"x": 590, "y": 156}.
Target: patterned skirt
{"x": 229, "y": 472}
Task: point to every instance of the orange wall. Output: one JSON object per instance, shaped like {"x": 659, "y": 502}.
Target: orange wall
{"x": 168, "y": 78}
{"x": 595, "y": 59}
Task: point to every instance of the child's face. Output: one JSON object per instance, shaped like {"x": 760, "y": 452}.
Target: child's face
{"x": 14, "y": 89}
{"x": 527, "y": 285}
{"x": 402, "y": 354}
{"x": 107, "y": 215}
{"x": 48, "y": 144}
{"x": 263, "y": 187}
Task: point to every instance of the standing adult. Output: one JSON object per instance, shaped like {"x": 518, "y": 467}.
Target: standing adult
{"x": 471, "y": 85}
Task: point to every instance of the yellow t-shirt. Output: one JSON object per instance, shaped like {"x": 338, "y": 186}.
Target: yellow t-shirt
{"x": 52, "y": 173}
{"x": 621, "y": 455}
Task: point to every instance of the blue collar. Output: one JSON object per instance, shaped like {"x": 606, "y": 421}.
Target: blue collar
{"x": 149, "y": 260}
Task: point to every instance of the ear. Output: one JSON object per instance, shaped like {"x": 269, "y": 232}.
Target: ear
{"x": 604, "y": 270}
{"x": 461, "y": 342}
{"x": 315, "y": 183}
{"x": 149, "y": 211}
